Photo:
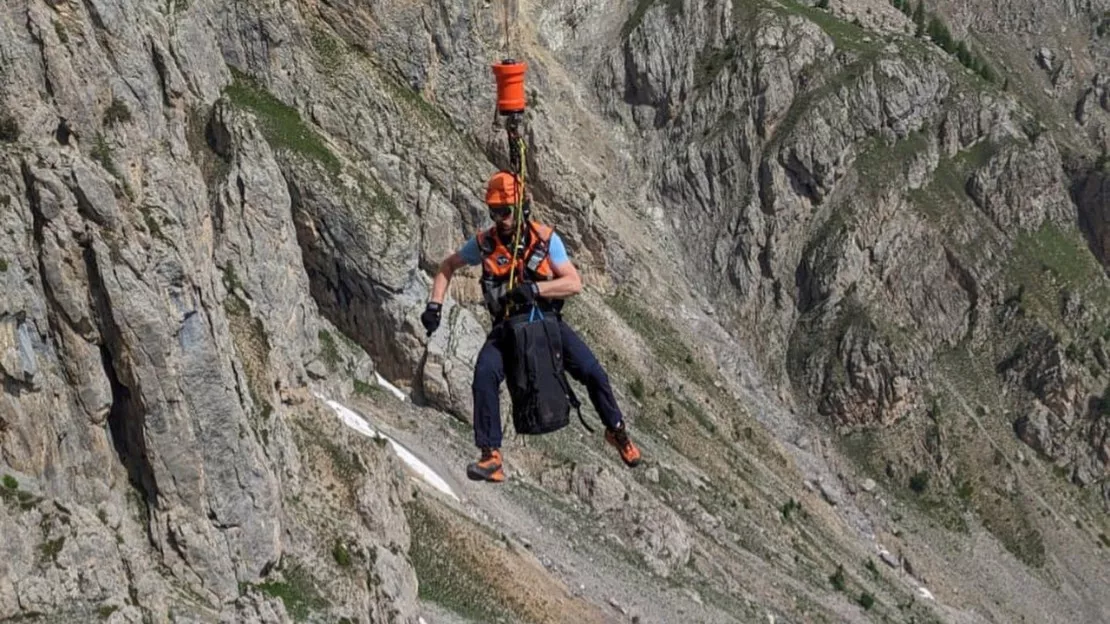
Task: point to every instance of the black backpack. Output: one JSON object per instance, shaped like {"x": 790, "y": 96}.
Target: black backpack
{"x": 541, "y": 396}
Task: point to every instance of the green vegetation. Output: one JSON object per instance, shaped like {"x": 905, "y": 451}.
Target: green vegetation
{"x": 661, "y": 337}
{"x": 329, "y": 49}
{"x": 919, "y": 482}
{"x": 789, "y": 507}
{"x": 933, "y": 26}
{"x": 450, "y": 575}
{"x": 340, "y": 553}
{"x": 106, "y": 611}
{"x": 116, "y": 113}
{"x": 50, "y": 548}
{"x": 845, "y": 35}
{"x": 710, "y": 62}
{"x": 837, "y": 578}
{"x": 1051, "y": 261}
{"x": 866, "y": 600}
{"x": 281, "y": 124}
{"x": 10, "y": 482}
{"x": 9, "y": 128}
{"x": 252, "y": 345}
{"x": 329, "y": 350}
{"x": 60, "y": 30}
{"x": 674, "y": 7}
{"x": 367, "y": 389}
{"x": 636, "y": 387}
{"x": 102, "y": 153}
{"x": 297, "y": 592}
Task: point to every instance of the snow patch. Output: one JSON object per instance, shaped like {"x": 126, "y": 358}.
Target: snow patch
{"x": 355, "y": 421}
{"x": 388, "y": 386}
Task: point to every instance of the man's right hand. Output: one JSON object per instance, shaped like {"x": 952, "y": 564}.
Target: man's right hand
{"x": 430, "y": 317}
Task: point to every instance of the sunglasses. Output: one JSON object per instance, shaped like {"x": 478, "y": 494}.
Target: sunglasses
{"x": 499, "y": 212}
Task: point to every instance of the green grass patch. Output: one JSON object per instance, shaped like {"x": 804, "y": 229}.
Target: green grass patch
{"x": 710, "y": 62}
{"x": 880, "y": 165}
{"x": 329, "y": 350}
{"x": 845, "y": 35}
{"x": 664, "y": 341}
{"x": 329, "y": 48}
{"x": 280, "y": 124}
{"x": 368, "y": 389}
{"x": 1049, "y": 261}
{"x": 50, "y": 548}
{"x": 10, "y": 482}
{"x": 449, "y": 574}
{"x": 297, "y": 592}
{"x": 674, "y": 7}
{"x": 103, "y": 153}
{"x": 832, "y": 81}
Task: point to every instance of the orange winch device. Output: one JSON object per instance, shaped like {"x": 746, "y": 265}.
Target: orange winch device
{"x": 509, "y": 74}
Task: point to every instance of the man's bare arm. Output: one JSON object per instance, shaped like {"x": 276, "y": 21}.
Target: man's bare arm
{"x": 567, "y": 282}
{"x": 442, "y": 277}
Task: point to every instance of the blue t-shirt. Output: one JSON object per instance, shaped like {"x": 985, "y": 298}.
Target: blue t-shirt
{"x": 556, "y": 251}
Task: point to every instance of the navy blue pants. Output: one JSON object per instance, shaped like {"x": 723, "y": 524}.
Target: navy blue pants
{"x": 489, "y": 372}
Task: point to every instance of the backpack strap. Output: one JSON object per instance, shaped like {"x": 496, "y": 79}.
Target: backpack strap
{"x": 577, "y": 405}
{"x": 485, "y": 242}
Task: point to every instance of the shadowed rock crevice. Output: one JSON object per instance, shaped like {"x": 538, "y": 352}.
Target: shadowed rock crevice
{"x": 126, "y": 417}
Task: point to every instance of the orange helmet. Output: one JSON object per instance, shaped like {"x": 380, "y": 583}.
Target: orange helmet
{"x": 502, "y": 189}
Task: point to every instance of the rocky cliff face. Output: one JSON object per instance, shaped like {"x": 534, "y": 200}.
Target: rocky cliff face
{"x": 848, "y": 277}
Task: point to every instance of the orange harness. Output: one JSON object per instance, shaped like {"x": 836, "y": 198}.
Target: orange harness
{"x": 532, "y": 263}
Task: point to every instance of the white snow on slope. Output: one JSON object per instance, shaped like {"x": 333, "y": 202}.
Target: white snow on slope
{"x": 382, "y": 381}
{"x": 355, "y": 421}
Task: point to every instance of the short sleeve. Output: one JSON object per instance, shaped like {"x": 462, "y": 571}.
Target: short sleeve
{"x": 470, "y": 253}
{"x": 556, "y": 251}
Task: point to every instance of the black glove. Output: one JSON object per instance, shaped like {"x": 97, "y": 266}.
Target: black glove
{"x": 430, "y": 317}
{"x": 524, "y": 293}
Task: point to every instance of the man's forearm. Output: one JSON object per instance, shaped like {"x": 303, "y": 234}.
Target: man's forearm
{"x": 439, "y": 286}
{"x": 560, "y": 288}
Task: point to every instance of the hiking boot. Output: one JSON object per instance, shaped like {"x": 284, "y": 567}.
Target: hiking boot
{"x": 618, "y": 437}
{"x": 487, "y": 468}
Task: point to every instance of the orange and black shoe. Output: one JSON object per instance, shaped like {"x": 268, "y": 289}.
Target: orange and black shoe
{"x": 487, "y": 468}
{"x": 618, "y": 437}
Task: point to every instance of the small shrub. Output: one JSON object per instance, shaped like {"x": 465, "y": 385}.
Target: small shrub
{"x": 837, "y": 578}
{"x": 9, "y": 128}
{"x": 117, "y": 113}
{"x": 341, "y": 554}
{"x": 636, "y": 387}
{"x": 872, "y": 568}
{"x": 3, "y": 265}
{"x": 10, "y": 482}
{"x": 866, "y": 600}
{"x": 789, "y": 507}
{"x": 919, "y": 482}
{"x": 328, "y": 349}
{"x": 965, "y": 490}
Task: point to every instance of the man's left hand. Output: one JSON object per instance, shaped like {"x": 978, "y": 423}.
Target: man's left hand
{"x": 524, "y": 293}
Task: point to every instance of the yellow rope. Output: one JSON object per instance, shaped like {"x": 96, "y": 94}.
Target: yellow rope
{"x": 518, "y": 217}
